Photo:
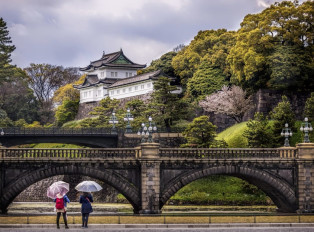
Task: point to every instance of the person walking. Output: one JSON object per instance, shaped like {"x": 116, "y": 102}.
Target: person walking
{"x": 61, "y": 207}
{"x": 86, "y": 209}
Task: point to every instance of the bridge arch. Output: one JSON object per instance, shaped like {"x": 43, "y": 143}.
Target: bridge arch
{"x": 111, "y": 178}
{"x": 281, "y": 193}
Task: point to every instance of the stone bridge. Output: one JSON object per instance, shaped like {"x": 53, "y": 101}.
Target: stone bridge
{"x": 149, "y": 175}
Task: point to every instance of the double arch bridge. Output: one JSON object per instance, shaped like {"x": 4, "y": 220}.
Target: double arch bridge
{"x": 149, "y": 175}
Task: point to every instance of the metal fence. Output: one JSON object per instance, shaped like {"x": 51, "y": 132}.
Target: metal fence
{"x": 57, "y": 131}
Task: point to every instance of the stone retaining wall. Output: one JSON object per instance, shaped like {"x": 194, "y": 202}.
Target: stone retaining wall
{"x": 264, "y": 101}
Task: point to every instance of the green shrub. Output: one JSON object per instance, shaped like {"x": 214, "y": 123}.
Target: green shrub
{"x": 220, "y": 190}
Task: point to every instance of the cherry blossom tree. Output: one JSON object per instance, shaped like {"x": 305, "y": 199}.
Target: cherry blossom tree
{"x": 232, "y": 101}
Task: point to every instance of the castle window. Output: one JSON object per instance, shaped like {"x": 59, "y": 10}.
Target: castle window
{"x": 99, "y": 92}
{"x": 102, "y": 74}
{"x": 118, "y": 91}
{"x": 112, "y": 74}
{"x": 126, "y": 74}
{"x": 130, "y": 89}
{"x": 111, "y": 92}
{"x": 142, "y": 86}
{"x": 148, "y": 85}
{"x": 136, "y": 87}
{"x": 123, "y": 90}
{"x": 130, "y": 74}
{"x": 115, "y": 74}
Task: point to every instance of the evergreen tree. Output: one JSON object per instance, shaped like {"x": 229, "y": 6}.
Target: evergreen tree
{"x": 6, "y": 69}
{"x": 274, "y": 48}
{"x": 258, "y": 132}
{"x": 67, "y": 111}
{"x": 104, "y": 112}
{"x": 281, "y": 115}
{"x": 200, "y": 133}
{"x": 165, "y": 106}
{"x": 309, "y": 108}
{"x": 205, "y": 81}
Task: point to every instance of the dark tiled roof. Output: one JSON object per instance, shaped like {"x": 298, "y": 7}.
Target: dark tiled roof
{"x": 92, "y": 80}
{"x": 112, "y": 60}
{"x": 138, "y": 78}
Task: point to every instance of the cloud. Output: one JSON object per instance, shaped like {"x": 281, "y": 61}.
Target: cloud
{"x": 262, "y": 3}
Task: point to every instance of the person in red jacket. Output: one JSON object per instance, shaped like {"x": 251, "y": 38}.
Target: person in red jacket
{"x": 61, "y": 207}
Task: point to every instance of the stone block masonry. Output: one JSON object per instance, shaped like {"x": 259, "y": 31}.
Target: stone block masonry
{"x": 306, "y": 177}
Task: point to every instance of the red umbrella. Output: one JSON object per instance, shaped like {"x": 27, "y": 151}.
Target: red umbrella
{"x": 59, "y": 187}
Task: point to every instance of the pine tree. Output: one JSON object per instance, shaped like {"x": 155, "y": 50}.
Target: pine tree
{"x": 166, "y": 107}
{"x": 281, "y": 115}
{"x": 309, "y": 108}
{"x": 258, "y": 132}
{"x": 6, "y": 69}
{"x": 200, "y": 133}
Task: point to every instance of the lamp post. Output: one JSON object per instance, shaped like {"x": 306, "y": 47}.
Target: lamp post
{"x": 147, "y": 130}
{"x": 128, "y": 117}
{"x": 2, "y": 132}
{"x": 286, "y": 132}
{"x": 306, "y": 127}
{"x": 113, "y": 120}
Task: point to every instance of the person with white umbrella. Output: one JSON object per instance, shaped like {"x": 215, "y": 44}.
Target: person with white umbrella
{"x": 86, "y": 187}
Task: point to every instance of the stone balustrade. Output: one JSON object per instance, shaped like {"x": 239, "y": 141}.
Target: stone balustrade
{"x": 225, "y": 153}
{"x": 103, "y": 153}
{"x": 172, "y": 153}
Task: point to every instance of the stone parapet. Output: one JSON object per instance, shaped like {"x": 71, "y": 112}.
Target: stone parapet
{"x": 305, "y": 150}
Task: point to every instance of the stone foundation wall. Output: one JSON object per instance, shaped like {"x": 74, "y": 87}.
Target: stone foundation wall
{"x": 38, "y": 191}
{"x": 84, "y": 109}
{"x": 264, "y": 101}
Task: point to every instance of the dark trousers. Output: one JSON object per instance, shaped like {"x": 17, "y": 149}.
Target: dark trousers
{"x": 85, "y": 219}
{"x": 64, "y": 218}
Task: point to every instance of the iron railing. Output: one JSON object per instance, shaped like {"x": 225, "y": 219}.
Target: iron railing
{"x": 54, "y": 131}
{"x": 225, "y": 153}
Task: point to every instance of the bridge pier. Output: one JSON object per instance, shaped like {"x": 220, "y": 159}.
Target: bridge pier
{"x": 150, "y": 178}
{"x": 306, "y": 177}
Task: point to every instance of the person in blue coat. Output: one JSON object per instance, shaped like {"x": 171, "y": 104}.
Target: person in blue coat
{"x": 86, "y": 208}
{"x": 62, "y": 209}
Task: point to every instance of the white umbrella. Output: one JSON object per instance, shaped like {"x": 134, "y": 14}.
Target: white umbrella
{"x": 60, "y": 187}
{"x": 88, "y": 186}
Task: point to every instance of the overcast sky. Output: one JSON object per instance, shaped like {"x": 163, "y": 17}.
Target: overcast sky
{"x": 75, "y": 32}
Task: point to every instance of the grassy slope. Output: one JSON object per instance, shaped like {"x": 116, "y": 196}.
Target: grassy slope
{"x": 233, "y": 135}
{"x": 50, "y": 145}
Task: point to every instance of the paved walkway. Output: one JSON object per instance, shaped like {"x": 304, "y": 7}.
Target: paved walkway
{"x": 234, "y": 227}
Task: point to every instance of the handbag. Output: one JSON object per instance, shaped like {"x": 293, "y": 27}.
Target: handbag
{"x": 91, "y": 208}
